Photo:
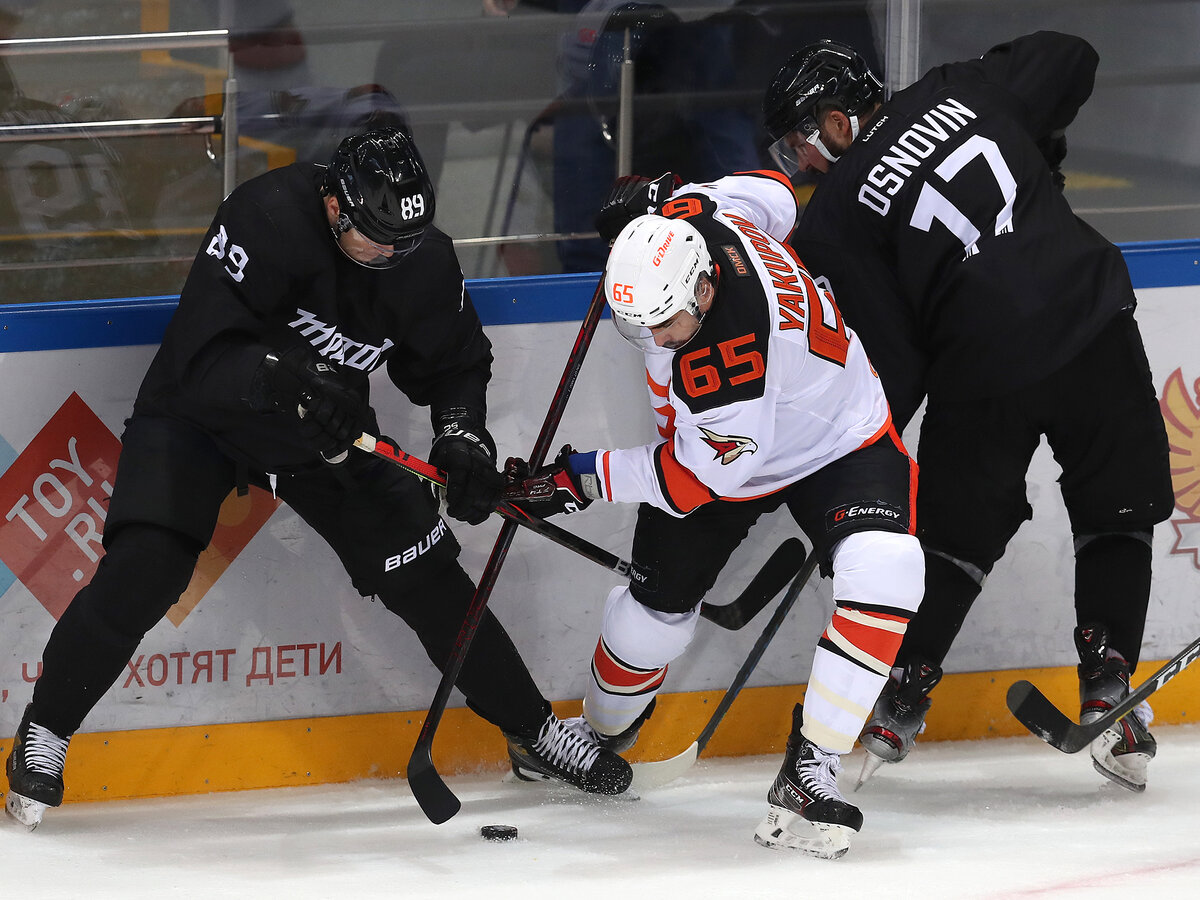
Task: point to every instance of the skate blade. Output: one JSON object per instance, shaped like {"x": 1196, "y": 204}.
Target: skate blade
{"x": 782, "y": 830}
{"x": 525, "y": 775}
{"x": 521, "y": 774}
{"x": 1127, "y": 771}
{"x": 871, "y": 764}
{"x": 25, "y": 811}
{"x": 1119, "y": 779}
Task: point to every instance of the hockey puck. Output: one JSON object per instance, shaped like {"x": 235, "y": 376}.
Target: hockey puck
{"x": 499, "y": 832}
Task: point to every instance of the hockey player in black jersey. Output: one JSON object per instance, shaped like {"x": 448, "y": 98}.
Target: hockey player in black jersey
{"x": 309, "y": 278}
{"x": 1014, "y": 318}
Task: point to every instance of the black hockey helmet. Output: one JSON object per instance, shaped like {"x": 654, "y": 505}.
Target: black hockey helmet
{"x": 824, "y": 70}
{"x": 383, "y": 190}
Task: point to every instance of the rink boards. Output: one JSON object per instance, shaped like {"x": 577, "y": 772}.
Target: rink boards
{"x": 273, "y": 671}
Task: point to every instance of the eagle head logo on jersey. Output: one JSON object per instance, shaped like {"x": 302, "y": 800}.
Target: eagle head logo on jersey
{"x": 728, "y": 447}
{"x": 1181, "y": 415}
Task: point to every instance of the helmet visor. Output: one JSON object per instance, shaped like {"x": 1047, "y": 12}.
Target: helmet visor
{"x": 783, "y": 151}
{"x": 639, "y": 336}
{"x": 374, "y": 255}
{"x": 667, "y": 337}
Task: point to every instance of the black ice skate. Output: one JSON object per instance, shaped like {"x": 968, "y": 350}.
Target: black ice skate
{"x": 567, "y": 751}
{"x": 1122, "y": 753}
{"x": 898, "y": 717}
{"x": 34, "y": 769}
{"x": 806, "y": 811}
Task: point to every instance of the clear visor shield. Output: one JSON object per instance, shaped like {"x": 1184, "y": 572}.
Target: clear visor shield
{"x": 638, "y": 335}
{"x": 372, "y": 254}
{"x": 668, "y": 337}
{"x": 385, "y": 255}
{"x": 784, "y": 151}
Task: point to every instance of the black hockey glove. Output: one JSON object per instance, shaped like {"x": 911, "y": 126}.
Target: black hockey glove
{"x": 632, "y": 196}
{"x": 333, "y": 416}
{"x": 464, "y": 450}
{"x": 568, "y": 485}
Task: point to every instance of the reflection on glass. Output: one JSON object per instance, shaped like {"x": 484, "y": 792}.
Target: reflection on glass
{"x": 515, "y": 106}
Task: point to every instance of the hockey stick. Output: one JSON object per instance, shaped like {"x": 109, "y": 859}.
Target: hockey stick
{"x": 436, "y": 800}
{"x": 427, "y": 472}
{"x": 771, "y": 578}
{"x": 776, "y": 572}
{"x": 1045, "y": 720}
{"x": 647, "y": 776}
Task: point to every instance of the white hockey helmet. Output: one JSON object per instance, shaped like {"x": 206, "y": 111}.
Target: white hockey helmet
{"x": 652, "y": 273}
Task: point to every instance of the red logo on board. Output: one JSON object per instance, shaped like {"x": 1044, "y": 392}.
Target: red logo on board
{"x": 55, "y": 500}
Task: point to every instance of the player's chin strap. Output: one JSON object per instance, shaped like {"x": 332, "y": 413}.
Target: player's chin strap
{"x": 815, "y": 140}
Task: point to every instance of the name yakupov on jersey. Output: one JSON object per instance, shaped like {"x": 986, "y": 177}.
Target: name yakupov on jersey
{"x": 771, "y": 388}
{"x": 947, "y": 203}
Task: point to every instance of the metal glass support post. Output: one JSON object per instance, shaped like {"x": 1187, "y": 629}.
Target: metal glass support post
{"x": 625, "y": 113}
{"x": 229, "y": 128}
{"x": 902, "y": 54}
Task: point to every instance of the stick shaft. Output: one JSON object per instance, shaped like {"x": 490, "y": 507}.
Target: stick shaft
{"x": 434, "y": 797}
{"x": 560, "y": 536}
{"x": 774, "y": 575}
{"x": 759, "y": 648}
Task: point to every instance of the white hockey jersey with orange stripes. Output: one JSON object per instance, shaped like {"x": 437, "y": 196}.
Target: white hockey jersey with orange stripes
{"x": 773, "y": 386}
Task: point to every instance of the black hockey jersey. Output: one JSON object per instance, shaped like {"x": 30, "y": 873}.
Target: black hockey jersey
{"x": 984, "y": 279}
{"x": 268, "y": 274}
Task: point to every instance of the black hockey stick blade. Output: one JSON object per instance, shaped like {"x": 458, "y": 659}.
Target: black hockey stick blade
{"x": 436, "y": 800}
{"x": 1047, "y": 721}
{"x": 772, "y": 578}
{"x": 1044, "y": 719}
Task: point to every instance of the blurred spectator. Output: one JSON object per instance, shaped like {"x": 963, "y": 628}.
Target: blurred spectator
{"x": 268, "y": 49}
{"x": 11, "y": 13}
{"x": 697, "y": 83}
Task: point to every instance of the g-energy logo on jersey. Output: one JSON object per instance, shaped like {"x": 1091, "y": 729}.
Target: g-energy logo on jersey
{"x": 911, "y": 149}
{"x": 728, "y": 447}
{"x": 854, "y": 512}
{"x": 334, "y": 345}
{"x": 645, "y": 578}
{"x": 420, "y": 548}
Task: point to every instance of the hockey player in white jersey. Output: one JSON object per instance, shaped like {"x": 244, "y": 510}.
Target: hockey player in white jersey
{"x": 763, "y": 397}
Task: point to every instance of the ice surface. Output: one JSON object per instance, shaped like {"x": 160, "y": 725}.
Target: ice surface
{"x": 1007, "y": 818}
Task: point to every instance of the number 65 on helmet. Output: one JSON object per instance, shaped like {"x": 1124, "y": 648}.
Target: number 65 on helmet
{"x": 653, "y": 273}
